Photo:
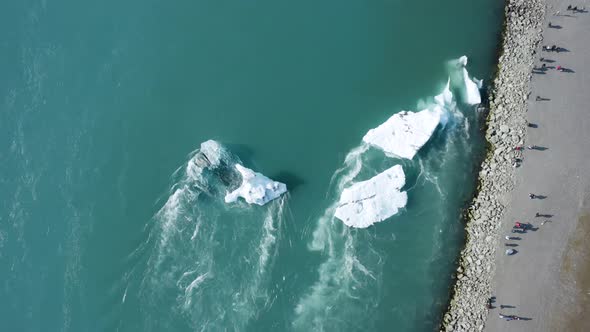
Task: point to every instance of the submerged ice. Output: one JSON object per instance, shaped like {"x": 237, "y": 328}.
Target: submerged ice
{"x": 255, "y": 188}
{"x": 367, "y": 202}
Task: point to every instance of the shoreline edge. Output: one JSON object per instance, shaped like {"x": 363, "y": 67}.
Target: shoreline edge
{"x": 505, "y": 128}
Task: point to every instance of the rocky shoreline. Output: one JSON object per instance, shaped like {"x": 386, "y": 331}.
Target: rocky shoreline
{"x": 506, "y": 127}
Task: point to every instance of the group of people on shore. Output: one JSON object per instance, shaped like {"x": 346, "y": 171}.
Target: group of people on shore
{"x": 519, "y": 227}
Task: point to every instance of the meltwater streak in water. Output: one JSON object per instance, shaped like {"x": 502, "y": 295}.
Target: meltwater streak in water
{"x": 209, "y": 262}
{"x": 350, "y": 278}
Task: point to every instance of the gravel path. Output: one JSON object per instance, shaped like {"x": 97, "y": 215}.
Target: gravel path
{"x": 535, "y": 281}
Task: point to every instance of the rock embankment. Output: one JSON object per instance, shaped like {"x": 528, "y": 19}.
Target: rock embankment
{"x": 506, "y": 129}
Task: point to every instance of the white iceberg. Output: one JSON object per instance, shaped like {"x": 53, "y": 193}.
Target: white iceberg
{"x": 471, "y": 86}
{"x": 405, "y": 133}
{"x": 367, "y": 202}
{"x": 255, "y": 188}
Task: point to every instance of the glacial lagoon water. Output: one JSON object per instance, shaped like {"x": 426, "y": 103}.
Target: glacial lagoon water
{"x": 104, "y": 228}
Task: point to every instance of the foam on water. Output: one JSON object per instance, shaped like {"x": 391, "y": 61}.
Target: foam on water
{"x": 210, "y": 262}
{"x": 351, "y": 270}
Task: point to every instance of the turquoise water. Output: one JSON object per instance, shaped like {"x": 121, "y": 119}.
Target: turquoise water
{"x": 103, "y": 104}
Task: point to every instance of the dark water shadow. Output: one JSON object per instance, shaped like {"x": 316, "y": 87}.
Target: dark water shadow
{"x": 562, "y": 49}
{"x": 524, "y": 318}
{"x": 515, "y": 238}
{"x": 539, "y": 72}
{"x": 554, "y": 26}
{"x": 547, "y": 60}
{"x": 510, "y": 244}
{"x": 567, "y": 70}
{"x": 244, "y": 152}
{"x": 533, "y": 125}
{"x": 507, "y": 306}
{"x": 540, "y": 196}
{"x": 292, "y": 180}
{"x": 542, "y": 99}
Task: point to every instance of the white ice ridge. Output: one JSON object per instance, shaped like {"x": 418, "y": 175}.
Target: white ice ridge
{"x": 472, "y": 85}
{"x": 255, "y": 188}
{"x": 367, "y": 202}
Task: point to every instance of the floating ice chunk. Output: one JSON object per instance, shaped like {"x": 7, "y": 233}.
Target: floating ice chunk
{"x": 444, "y": 103}
{"x": 471, "y": 86}
{"x": 477, "y": 82}
{"x": 472, "y": 96}
{"x": 405, "y": 133}
{"x": 255, "y": 188}
{"x": 367, "y": 202}
{"x": 445, "y": 98}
